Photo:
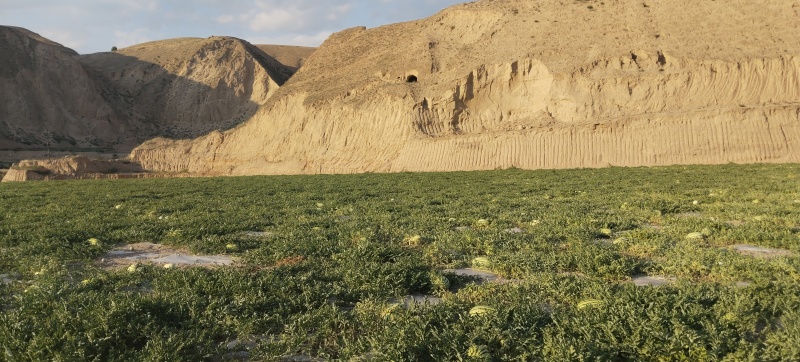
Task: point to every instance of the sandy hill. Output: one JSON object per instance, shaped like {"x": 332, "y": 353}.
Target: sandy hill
{"x": 291, "y": 56}
{"x": 188, "y": 87}
{"x": 47, "y": 97}
{"x": 529, "y": 84}
{"x": 181, "y": 88}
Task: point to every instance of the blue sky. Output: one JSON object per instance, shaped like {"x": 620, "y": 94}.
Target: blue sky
{"x": 90, "y": 26}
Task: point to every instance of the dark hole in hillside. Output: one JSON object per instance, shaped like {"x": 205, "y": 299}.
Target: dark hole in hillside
{"x": 662, "y": 60}
{"x": 411, "y": 79}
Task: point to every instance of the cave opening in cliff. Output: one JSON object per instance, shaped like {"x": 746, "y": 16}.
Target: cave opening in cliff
{"x": 411, "y": 79}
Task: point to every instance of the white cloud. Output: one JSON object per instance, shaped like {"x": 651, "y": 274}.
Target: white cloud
{"x": 225, "y": 19}
{"x": 293, "y": 39}
{"x": 65, "y": 38}
{"x": 136, "y": 5}
{"x": 338, "y": 11}
{"x": 96, "y": 25}
{"x": 311, "y": 40}
{"x": 278, "y": 19}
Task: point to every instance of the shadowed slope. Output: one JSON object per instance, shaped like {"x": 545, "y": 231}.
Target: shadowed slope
{"x": 188, "y": 87}
{"x": 48, "y": 98}
{"x": 291, "y": 56}
{"x": 52, "y": 99}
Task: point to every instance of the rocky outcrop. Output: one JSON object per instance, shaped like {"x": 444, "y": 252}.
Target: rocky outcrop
{"x": 71, "y": 167}
{"x": 512, "y": 83}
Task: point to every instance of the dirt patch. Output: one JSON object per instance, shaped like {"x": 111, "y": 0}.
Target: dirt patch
{"x": 690, "y": 215}
{"x": 258, "y": 234}
{"x": 301, "y": 358}
{"x": 760, "y": 252}
{"x": 241, "y": 347}
{"x": 6, "y": 279}
{"x": 651, "y": 281}
{"x": 149, "y": 253}
{"x": 418, "y": 299}
{"x": 481, "y": 276}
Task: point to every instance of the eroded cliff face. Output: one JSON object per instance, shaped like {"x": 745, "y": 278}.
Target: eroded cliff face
{"x": 497, "y": 84}
{"x": 53, "y": 98}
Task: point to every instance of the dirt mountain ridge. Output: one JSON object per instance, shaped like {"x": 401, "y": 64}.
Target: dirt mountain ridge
{"x": 188, "y": 87}
{"x": 47, "y": 97}
{"x": 529, "y": 84}
{"x": 53, "y": 98}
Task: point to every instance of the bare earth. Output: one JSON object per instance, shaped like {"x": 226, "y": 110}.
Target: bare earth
{"x": 483, "y": 85}
{"x": 54, "y": 101}
{"x": 291, "y": 56}
{"x": 545, "y": 84}
{"x": 149, "y": 253}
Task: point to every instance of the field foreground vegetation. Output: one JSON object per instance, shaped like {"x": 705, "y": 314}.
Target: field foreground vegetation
{"x": 338, "y": 255}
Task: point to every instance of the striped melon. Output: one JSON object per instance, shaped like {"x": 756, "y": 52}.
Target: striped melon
{"x": 413, "y": 240}
{"x": 590, "y": 303}
{"x": 480, "y": 310}
{"x": 695, "y": 236}
{"x": 390, "y": 311}
{"x": 477, "y": 352}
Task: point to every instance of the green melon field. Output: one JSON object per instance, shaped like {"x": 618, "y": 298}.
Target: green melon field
{"x": 325, "y": 265}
